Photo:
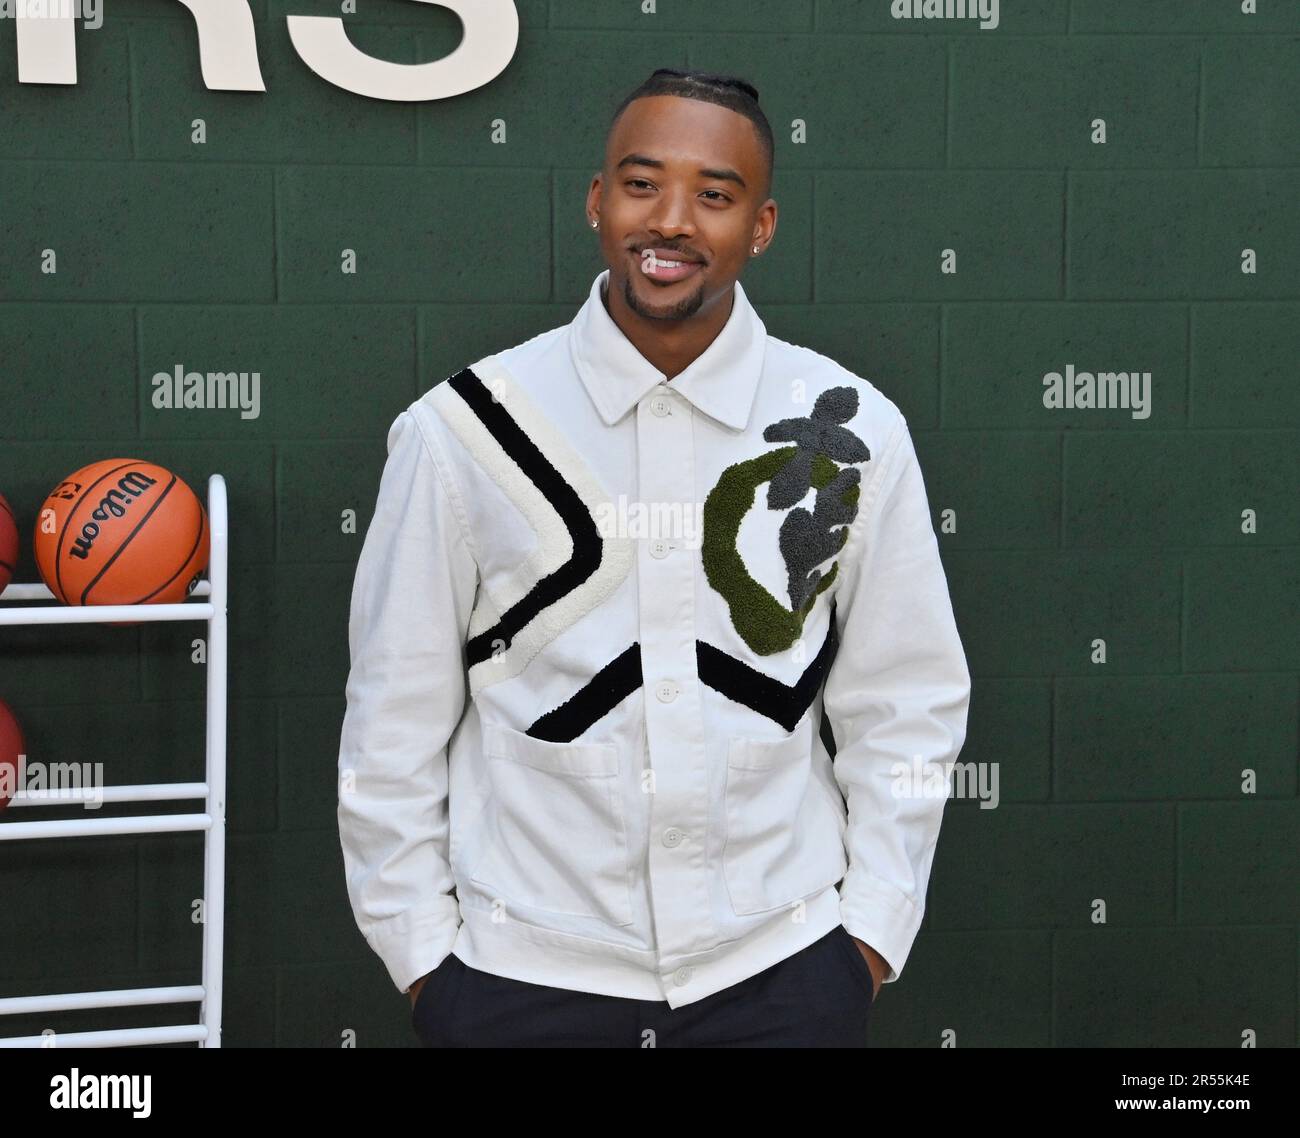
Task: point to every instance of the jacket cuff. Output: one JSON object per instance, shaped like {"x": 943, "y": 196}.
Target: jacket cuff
{"x": 880, "y": 916}
{"x": 413, "y": 944}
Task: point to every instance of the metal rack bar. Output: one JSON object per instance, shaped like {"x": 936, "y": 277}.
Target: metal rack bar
{"x": 212, "y": 791}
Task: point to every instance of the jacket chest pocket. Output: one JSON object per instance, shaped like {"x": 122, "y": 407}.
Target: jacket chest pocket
{"x": 784, "y": 836}
{"x": 555, "y": 838}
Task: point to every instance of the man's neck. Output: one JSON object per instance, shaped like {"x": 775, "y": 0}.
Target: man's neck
{"x": 671, "y": 346}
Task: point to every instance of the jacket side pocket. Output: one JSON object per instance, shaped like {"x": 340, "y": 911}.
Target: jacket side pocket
{"x": 555, "y": 838}
{"x": 784, "y": 836}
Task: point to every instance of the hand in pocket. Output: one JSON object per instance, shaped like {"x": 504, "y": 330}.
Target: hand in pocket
{"x": 417, "y": 988}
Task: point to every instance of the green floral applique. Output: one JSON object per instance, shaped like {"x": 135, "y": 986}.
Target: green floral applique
{"x": 807, "y": 538}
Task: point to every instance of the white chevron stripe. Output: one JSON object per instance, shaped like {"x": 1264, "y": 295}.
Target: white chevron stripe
{"x": 554, "y": 544}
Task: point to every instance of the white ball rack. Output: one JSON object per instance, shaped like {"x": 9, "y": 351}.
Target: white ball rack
{"x": 212, "y": 792}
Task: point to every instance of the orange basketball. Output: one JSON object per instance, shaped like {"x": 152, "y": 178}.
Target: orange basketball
{"x": 11, "y": 747}
{"x": 121, "y": 532}
{"x": 8, "y": 544}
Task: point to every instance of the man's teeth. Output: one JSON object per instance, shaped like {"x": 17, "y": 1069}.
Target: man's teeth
{"x": 656, "y": 263}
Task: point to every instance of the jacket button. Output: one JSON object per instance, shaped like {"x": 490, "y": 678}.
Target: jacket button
{"x": 660, "y": 406}
{"x": 666, "y": 690}
{"x": 682, "y": 976}
{"x": 660, "y": 548}
{"x": 673, "y": 837}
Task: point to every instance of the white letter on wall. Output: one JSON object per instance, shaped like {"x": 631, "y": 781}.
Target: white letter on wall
{"x": 491, "y": 36}
{"x": 47, "y": 47}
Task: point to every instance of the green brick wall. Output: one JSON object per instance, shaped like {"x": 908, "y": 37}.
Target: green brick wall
{"x": 1118, "y": 782}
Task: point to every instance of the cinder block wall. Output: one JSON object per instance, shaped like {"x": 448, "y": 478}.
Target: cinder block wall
{"x": 1120, "y": 783}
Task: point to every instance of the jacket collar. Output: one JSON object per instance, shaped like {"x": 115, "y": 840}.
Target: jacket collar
{"x": 721, "y": 381}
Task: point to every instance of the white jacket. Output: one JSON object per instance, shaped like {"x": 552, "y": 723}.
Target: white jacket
{"x": 595, "y": 622}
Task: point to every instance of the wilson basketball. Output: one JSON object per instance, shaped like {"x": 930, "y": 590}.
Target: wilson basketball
{"x": 11, "y": 747}
{"x": 121, "y": 532}
{"x": 8, "y": 544}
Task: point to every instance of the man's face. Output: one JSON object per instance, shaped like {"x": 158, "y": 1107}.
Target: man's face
{"x": 683, "y": 180}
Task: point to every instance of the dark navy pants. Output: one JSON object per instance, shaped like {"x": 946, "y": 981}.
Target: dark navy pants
{"x": 819, "y": 997}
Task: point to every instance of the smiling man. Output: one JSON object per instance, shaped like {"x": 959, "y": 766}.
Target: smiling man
{"x": 631, "y": 789}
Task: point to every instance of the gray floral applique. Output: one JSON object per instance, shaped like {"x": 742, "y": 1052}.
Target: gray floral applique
{"x": 821, "y": 442}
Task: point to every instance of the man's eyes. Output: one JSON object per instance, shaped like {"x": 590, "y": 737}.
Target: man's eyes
{"x": 638, "y": 182}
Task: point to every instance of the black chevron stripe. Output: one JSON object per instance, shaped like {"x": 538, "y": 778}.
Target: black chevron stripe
{"x": 779, "y": 702}
{"x": 606, "y": 690}
{"x": 782, "y": 703}
{"x": 587, "y": 543}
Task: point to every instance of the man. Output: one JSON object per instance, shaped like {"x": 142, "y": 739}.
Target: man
{"x": 614, "y": 576}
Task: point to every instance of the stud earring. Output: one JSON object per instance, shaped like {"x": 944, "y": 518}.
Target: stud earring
{"x": 755, "y": 250}
{"x": 595, "y": 223}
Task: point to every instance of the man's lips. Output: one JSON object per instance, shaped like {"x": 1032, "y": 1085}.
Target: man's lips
{"x": 665, "y": 266}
